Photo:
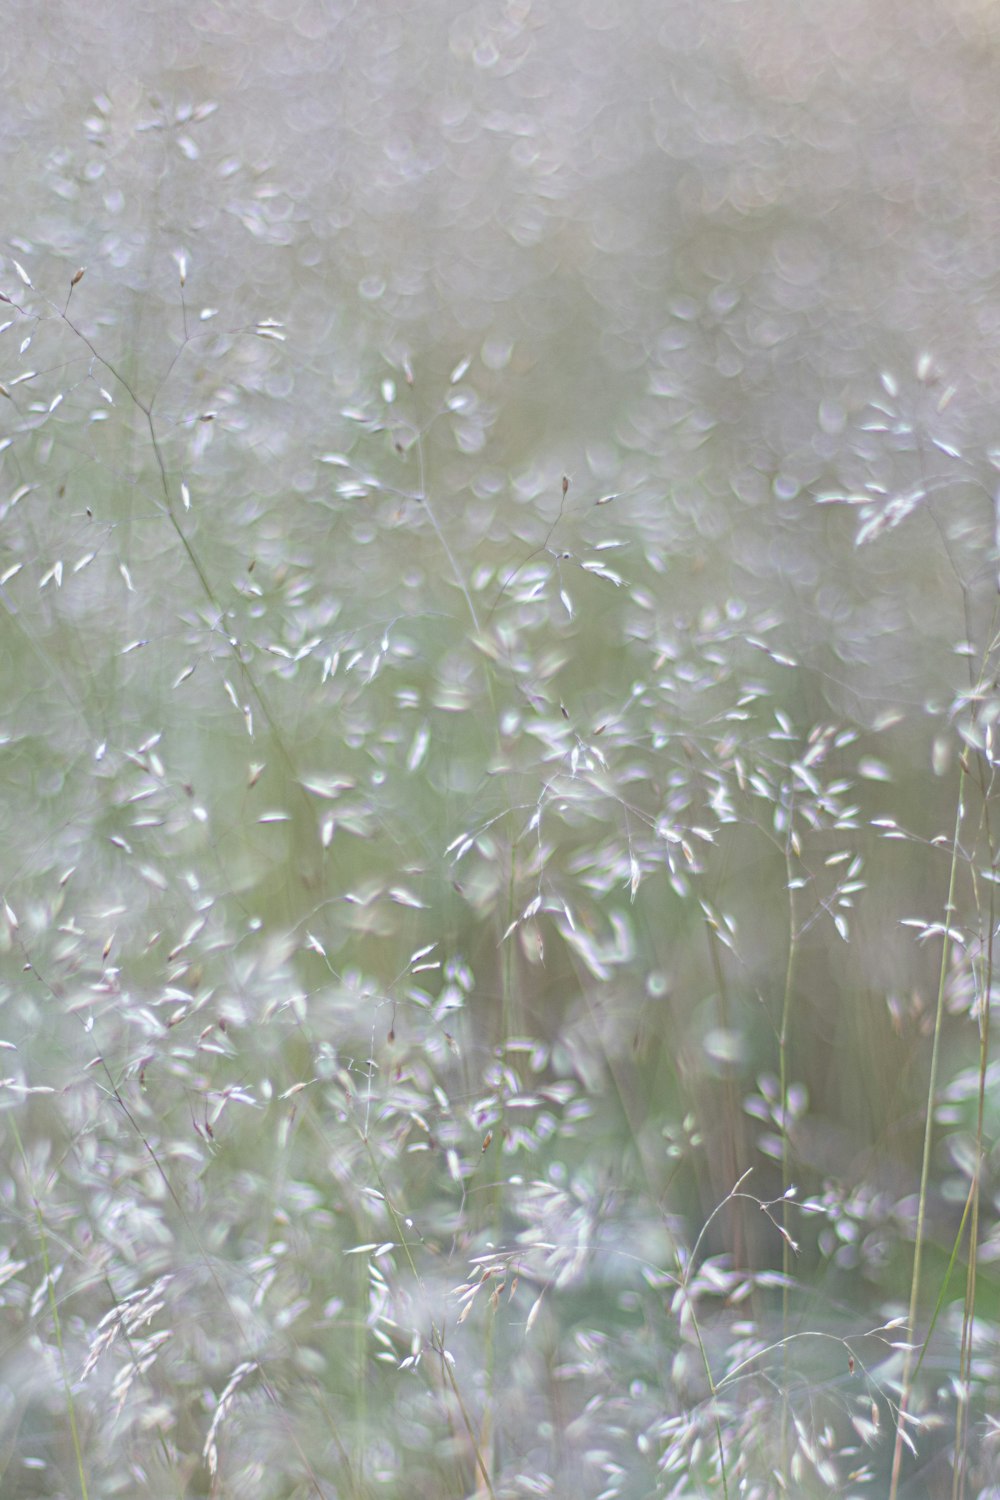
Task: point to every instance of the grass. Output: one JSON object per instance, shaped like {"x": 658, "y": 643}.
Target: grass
{"x": 495, "y": 993}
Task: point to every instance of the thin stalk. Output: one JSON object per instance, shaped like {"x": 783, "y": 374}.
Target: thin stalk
{"x": 684, "y": 1282}
{"x": 945, "y": 1281}
{"x": 706, "y": 1362}
{"x": 969, "y": 1310}
{"x": 720, "y": 1445}
{"x": 786, "y": 1240}
{"x": 925, "y": 1168}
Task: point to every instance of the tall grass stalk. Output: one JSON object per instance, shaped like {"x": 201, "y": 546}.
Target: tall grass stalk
{"x": 983, "y": 974}
{"x": 905, "y": 1391}
{"x": 783, "y": 1086}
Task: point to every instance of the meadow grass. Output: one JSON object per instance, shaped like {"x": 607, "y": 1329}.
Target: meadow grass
{"x": 477, "y": 1022}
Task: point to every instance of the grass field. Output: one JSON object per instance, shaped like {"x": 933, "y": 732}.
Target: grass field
{"x": 499, "y": 657}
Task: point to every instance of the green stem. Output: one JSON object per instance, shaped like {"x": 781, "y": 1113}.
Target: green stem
{"x": 786, "y": 1253}
{"x": 925, "y": 1167}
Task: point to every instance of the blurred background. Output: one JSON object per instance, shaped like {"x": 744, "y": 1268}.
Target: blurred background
{"x": 498, "y": 584}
